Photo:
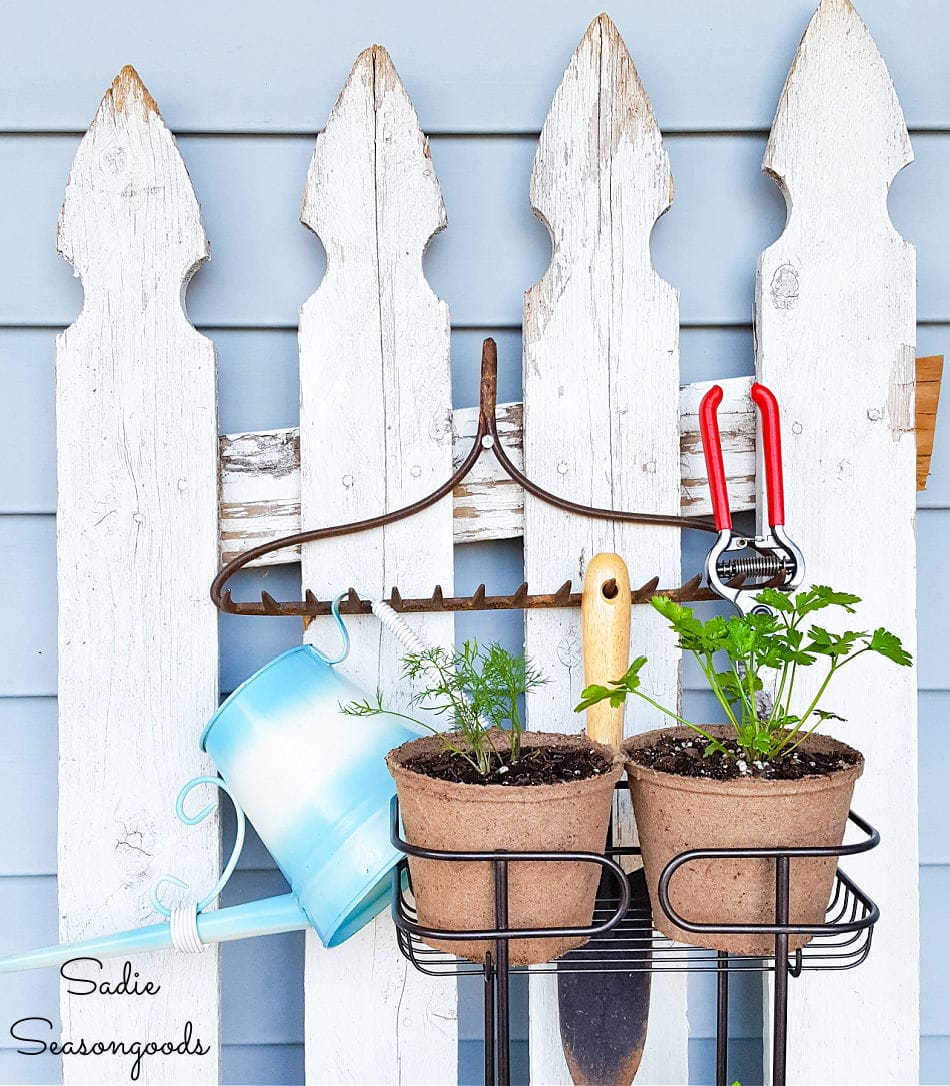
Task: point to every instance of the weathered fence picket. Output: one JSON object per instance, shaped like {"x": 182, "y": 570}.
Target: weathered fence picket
{"x": 601, "y": 424}
{"x": 835, "y": 313}
{"x": 375, "y": 434}
{"x": 136, "y": 543}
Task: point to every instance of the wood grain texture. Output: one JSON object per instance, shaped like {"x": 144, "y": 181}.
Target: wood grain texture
{"x": 138, "y": 675}
{"x": 835, "y": 333}
{"x": 927, "y": 397}
{"x": 260, "y": 475}
{"x": 375, "y": 434}
{"x": 605, "y": 636}
{"x": 601, "y": 410}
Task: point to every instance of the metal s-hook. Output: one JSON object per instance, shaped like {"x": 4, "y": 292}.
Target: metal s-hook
{"x": 344, "y": 635}
{"x": 193, "y": 820}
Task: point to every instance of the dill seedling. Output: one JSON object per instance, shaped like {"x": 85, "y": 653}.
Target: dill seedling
{"x": 476, "y": 690}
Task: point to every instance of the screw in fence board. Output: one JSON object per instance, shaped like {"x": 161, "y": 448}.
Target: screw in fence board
{"x": 835, "y": 334}
{"x": 136, "y": 548}
{"x": 375, "y": 434}
{"x": 601, "y": 421}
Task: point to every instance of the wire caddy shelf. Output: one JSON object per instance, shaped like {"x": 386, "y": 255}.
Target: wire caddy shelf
{"x": 841, "y": 941}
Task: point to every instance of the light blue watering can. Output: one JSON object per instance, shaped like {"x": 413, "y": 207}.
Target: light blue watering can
{"x": 316, "y": 788}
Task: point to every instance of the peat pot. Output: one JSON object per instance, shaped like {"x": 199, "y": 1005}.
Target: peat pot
{"x": 675, "y": 814}
{"x": 459, "y": 895}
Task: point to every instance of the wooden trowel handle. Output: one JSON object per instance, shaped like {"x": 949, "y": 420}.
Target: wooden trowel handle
{"x": 605, "y": 625}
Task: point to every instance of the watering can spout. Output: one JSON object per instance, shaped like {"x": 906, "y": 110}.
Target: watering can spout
{"x": 268, "y": 916}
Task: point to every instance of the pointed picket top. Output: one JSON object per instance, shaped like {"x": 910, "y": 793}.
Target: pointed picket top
{"x": 609, "y": 113}
{"x": 375, "y": 434}
{"x": 136, "y": 534}
{"x": 835, "y": 330}
{"x": 129, "y": 152}
{"x": 601, "y": 395}
{"x": 838, "y": 95}
{"x": 379, "y": 155}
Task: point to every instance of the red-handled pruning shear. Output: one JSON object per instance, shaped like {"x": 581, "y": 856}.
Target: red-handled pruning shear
{"x": 771, "y": 559}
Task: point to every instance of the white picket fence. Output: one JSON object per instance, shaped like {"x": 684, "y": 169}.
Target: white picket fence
{"x": 604, "y": 421}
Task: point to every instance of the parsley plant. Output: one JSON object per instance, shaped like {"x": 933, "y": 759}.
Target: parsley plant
{"x": 753, "y": 645}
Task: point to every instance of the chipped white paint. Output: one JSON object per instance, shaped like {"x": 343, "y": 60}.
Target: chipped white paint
{"x": 835, "y": 330}
{"x": 260, "y": 475}
{"x": 259, "y": 492}
{"x": 737, "y": 430}
{"x": 601, "y": 409}
{"x": 375, "y": 434}
{"x": 137, "y": 546}
{"x": 487, "y": 504}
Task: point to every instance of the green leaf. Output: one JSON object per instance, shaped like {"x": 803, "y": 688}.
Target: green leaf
{"x": 630, "y": 679}
{"x": 747, "y": 734}
{"x": 714, "y": 747}
{"x": 594, "y": 693}
{"x": 824, "y": 714}
{"x": 763, "y": 743}
{"x": 742, "y": 638}
{"x": 776, "y": 599}
{"x": 820, "y": 596}
{"x": 889, "y": 645}
{"x": 734, "y": 689}
{"x": 363, "y": 708}
{"x": 834, "y": 645}
{"x": 672, "y": 611}
{"x": 694, "y": 636}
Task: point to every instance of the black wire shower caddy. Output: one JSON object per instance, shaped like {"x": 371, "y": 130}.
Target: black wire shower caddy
{"x": 842, "y": 941}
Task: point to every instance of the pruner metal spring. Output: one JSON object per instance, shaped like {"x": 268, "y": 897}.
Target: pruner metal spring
{"x": 761, "y": 565}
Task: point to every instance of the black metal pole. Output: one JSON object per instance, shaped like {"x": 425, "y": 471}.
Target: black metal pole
{"x": 722, "y": 1017}
{"x": 780, "y": 993}
{"x": 502, "y": 976}
{"x": 489, "y": 1008}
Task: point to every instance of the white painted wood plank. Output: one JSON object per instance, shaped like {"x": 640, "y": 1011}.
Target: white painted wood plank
{"x": 601, "y": 411}
{"x": 138, "y": 676}
{"x": 375, "y": 434}
{"x": 259, "y": 492}
{"x": 260, "y": 480}
{"x": 835, "y": 324}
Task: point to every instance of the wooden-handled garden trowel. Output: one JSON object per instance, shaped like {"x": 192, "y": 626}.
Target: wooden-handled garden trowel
{"x": 603, "y": 1014}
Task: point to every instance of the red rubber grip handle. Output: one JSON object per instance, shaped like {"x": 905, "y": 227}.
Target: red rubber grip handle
{"x": 712, "y": 450}
{"x": 767, "y": 404}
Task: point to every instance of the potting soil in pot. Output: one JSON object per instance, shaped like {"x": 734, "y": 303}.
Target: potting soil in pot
{"x": 570, "y": 812}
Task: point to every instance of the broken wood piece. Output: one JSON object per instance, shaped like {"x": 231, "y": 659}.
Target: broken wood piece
{"x": 929, "y": 375}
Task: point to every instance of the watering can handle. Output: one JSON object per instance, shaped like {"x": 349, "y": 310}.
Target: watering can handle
{"x": 193, "y": 820}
